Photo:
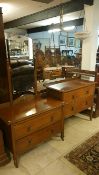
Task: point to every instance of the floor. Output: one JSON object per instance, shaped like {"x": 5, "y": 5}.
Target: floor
{"x": 48, "y": 157}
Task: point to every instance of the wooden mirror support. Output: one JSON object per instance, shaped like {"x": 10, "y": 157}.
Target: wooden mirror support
{"x": 5, "y": 82}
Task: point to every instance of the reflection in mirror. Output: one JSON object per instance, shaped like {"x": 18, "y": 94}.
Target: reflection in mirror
{"x": 22, "y": 68}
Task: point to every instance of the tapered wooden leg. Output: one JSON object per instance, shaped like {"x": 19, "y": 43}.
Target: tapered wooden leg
{"x": 62, "y": 135}
{"x": 16, "y": 160}
{"x": 97, "y": 102}
{"x": 91, "y": 113}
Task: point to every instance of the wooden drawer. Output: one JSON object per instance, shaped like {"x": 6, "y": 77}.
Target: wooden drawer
{"x": 69, "y": 97}
{"x": 30, "y": 141}
{"x": 40, "y": 121}
{"x": 87, "y": 91}
{"x": 56, "y": 73}
{"x": 68, "y": 109}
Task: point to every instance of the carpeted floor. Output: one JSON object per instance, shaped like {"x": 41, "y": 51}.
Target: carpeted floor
{"x": 86, "y": 156}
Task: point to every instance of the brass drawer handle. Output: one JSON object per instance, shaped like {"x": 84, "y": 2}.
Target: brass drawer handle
{"x": 52, "y": 131}
{"x": 29, "y": 129}
{"x": 87, "y": 92}
{"x": 86, "y": 103}
{"x": 29, "y": 141}
{"x": 72, "y": 109}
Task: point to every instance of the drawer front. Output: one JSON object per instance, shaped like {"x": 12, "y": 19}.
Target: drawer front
{"x": 41, "y": 121}
{"x": 69, "y": 97}
{"x": 30, "y": 141}
{"x": 56, "y": 73}
{"x": 68, "y": 109}
{"x": 87, "y": 91}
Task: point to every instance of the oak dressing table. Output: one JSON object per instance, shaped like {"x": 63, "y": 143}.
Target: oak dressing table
{"x": 28, "y": 122}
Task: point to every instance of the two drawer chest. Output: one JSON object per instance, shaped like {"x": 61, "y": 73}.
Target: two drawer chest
{"x": 29, "y": 122}
{"x": 76, "y": 94}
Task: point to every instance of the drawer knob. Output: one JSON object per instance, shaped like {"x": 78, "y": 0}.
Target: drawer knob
{"x": 86, "y": 103}
{"x": 72, "y": 108}
{"x": 72, "y": 96}
{"x": 29, "y": 129}
{"x": 52, "y": 131}
{"x": 29, "y": 141}
{"x": 87, "y": 92}
{"x": 52, "y": 118}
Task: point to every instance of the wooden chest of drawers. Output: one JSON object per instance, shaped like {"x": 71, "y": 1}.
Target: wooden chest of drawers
{"x": 28, "y": 123}
{"x": 52, "y": 72}
{"x": 77, "y": 95}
